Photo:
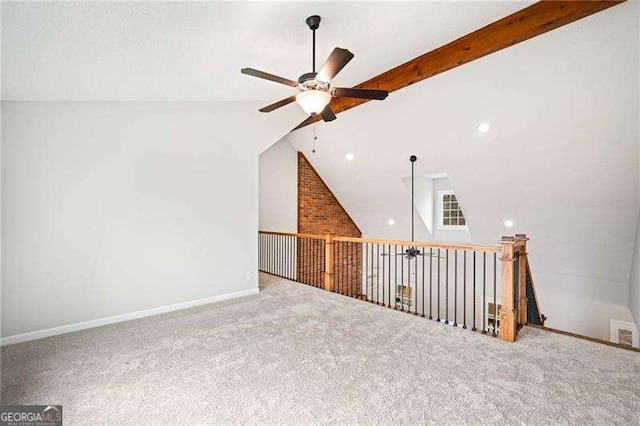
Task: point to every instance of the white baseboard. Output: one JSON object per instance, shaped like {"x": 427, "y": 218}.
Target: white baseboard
{"x": 33, "y": 335}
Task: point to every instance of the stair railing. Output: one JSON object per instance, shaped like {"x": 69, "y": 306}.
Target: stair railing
{"x": 452, "y": 283}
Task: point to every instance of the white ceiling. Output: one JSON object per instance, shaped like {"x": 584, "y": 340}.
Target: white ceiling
{"x": 194, "y": 51}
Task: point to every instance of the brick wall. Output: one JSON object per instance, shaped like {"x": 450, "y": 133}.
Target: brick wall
{"x": 320, "y": 213}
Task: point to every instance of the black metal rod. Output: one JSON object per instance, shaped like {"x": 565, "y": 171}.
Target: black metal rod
{"x": 342, "y": 269}
{"x": 431, "y": 283}
{"x": 339, "y": 267}
{"x": 378, "y": 273}
{"x": 412, "y": 205}
{"x": 366, "y": 269}
{"x": 415, "y": 288}
{"x": 408, "y": 282}
{"x": 301, "y": 259}
{"x": 446, "y": 288}
{"x": 382, "y": 260}
{"x": 464, "y": 289}
{"x": 274, "y": 255}
{"x": 313, "y": 58}
{"x": 395, "y": 280}
{"x": 516, "y": 280}
{"x": 268, "y": 238}
{"x": 402, "y": 278}
{"x": 372, "y": 277}
{"x": 474, "y": 292}
{"x": 484, "y": 292}
{"x": 348, "y": 268}
{"x": 438, "y": 319}
{"x": 352, "y": 270}
{"x": 389, "y": 280}
{"x": 309, "y": 261}
{"x": 455, "y": 288}
{"x": 289, "y": 256}
{"x": 347, "y": 272}
{"x": 423, "y": 256}
{"x": 495, "y": 299}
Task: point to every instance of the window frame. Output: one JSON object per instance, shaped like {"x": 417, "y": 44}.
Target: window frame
{"x": 441, "y": 225}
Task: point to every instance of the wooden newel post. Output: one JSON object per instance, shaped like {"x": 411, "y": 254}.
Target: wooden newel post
{"x": 521, "y": 243}
{"x": 507, "y": 311}
{"x": 328, "y": 263}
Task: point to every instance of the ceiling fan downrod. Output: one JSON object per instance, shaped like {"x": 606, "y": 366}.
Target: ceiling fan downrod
{"x": 313, "y": 22}
{"x": 413, "y": 159}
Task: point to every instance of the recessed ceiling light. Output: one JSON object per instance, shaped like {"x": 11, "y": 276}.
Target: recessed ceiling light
{"x": 391, "y": 222}
{"x": 484, "y": 127}
{"x": 349, "y": 156}
{"x": 508, "y": 223}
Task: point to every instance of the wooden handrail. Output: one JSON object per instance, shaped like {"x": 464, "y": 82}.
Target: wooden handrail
{"x": 289, "y": 234}
{"x": 441, "y": 245}
{"x": 433, "y": 244}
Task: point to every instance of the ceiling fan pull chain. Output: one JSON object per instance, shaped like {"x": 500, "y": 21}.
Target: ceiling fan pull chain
{"x": 315, "y": 137}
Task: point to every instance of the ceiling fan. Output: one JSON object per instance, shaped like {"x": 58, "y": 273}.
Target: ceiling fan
{"x": 314, "y": 88}
{"x": 412, "y": 252}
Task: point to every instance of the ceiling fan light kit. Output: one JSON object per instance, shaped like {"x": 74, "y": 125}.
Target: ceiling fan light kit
{"x": 313, "y": 101}
{"x": 314, "y": 89}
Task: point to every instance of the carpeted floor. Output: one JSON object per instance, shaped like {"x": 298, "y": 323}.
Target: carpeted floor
{"x": 295, "y": 354}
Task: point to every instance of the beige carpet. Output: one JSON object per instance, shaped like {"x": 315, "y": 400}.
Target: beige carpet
{"x": 295, "y": 354}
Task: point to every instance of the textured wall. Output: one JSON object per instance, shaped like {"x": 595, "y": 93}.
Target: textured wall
{"x": 319, "y": 212}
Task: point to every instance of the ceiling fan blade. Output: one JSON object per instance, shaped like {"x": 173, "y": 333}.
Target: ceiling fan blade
{"x": 278, "y": 104}
{"x": 344, "y": 92}
{"x": 267, "y": 76}
{"x": 334, "y": 63}
{"x": 327, "y": 114}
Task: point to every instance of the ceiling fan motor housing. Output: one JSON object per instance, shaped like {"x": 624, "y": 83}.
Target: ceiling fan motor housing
{"x": 308, "y": 82}
{"x": 304, "y": 79}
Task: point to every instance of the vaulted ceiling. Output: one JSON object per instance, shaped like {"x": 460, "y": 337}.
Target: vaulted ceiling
{"x": 561, "y": 158}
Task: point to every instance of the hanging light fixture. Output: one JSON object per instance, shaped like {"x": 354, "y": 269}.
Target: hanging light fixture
{"x": 313, "y": 101}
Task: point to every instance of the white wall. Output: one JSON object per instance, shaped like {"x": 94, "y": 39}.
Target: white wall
{"x": 278, "y": 190}
{"x": 111, "y": 208}
{"x": 422, "y": 202}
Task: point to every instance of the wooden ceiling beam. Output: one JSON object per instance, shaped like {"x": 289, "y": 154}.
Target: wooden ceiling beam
{"x": 539, "y": 18}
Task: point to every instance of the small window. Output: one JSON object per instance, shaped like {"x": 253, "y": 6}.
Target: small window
{"x": 451, "y": 216}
